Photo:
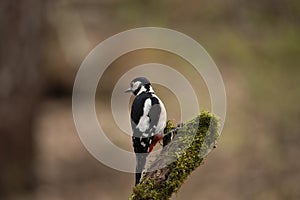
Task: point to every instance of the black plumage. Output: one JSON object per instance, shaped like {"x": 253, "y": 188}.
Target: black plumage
{"x": 148, "y": 118}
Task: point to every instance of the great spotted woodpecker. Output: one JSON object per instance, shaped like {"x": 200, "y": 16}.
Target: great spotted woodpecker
{"x": 148, "y": 120}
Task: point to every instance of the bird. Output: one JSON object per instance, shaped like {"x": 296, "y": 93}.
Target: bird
{"x": 148, "y": 120}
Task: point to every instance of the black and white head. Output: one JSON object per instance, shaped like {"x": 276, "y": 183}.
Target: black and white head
{"x": 139, "y": 85}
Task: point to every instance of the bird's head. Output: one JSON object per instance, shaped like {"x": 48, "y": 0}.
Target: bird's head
{"x": 139, "y": 85}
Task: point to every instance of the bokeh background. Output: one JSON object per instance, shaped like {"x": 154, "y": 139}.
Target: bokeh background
{"x": 255, "y": 44}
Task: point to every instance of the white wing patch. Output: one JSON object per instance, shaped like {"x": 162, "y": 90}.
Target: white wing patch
{"x": 144, "y": 122}
{"x": 143, "y": 144}
{"x": 145, "y": 135}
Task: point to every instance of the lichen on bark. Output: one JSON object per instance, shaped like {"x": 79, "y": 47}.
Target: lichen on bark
{"x": 187, "y": 151}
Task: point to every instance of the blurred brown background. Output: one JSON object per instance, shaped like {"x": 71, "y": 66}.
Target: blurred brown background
{"x": 256, "y": 45}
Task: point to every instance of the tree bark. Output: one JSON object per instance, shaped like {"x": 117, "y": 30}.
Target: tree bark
{"x": 191, "y": 144}
{"x": 20, "y": 89}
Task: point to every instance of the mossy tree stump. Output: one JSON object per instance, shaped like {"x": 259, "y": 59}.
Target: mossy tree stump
{"x": 184, "y": 154}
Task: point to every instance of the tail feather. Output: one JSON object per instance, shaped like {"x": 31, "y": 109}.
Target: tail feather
{"x": 140, "y": 165}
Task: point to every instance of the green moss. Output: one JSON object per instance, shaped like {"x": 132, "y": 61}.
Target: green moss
{"x": 192, "y": 142}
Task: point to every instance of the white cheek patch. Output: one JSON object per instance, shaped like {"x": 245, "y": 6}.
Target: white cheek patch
{"x": 143, "y": 89}
{"x": 151, "y": 89}
{"x": 135, "y": 85}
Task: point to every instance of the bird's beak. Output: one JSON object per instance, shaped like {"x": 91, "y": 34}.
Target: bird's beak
{"x": 128, "y": 90}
